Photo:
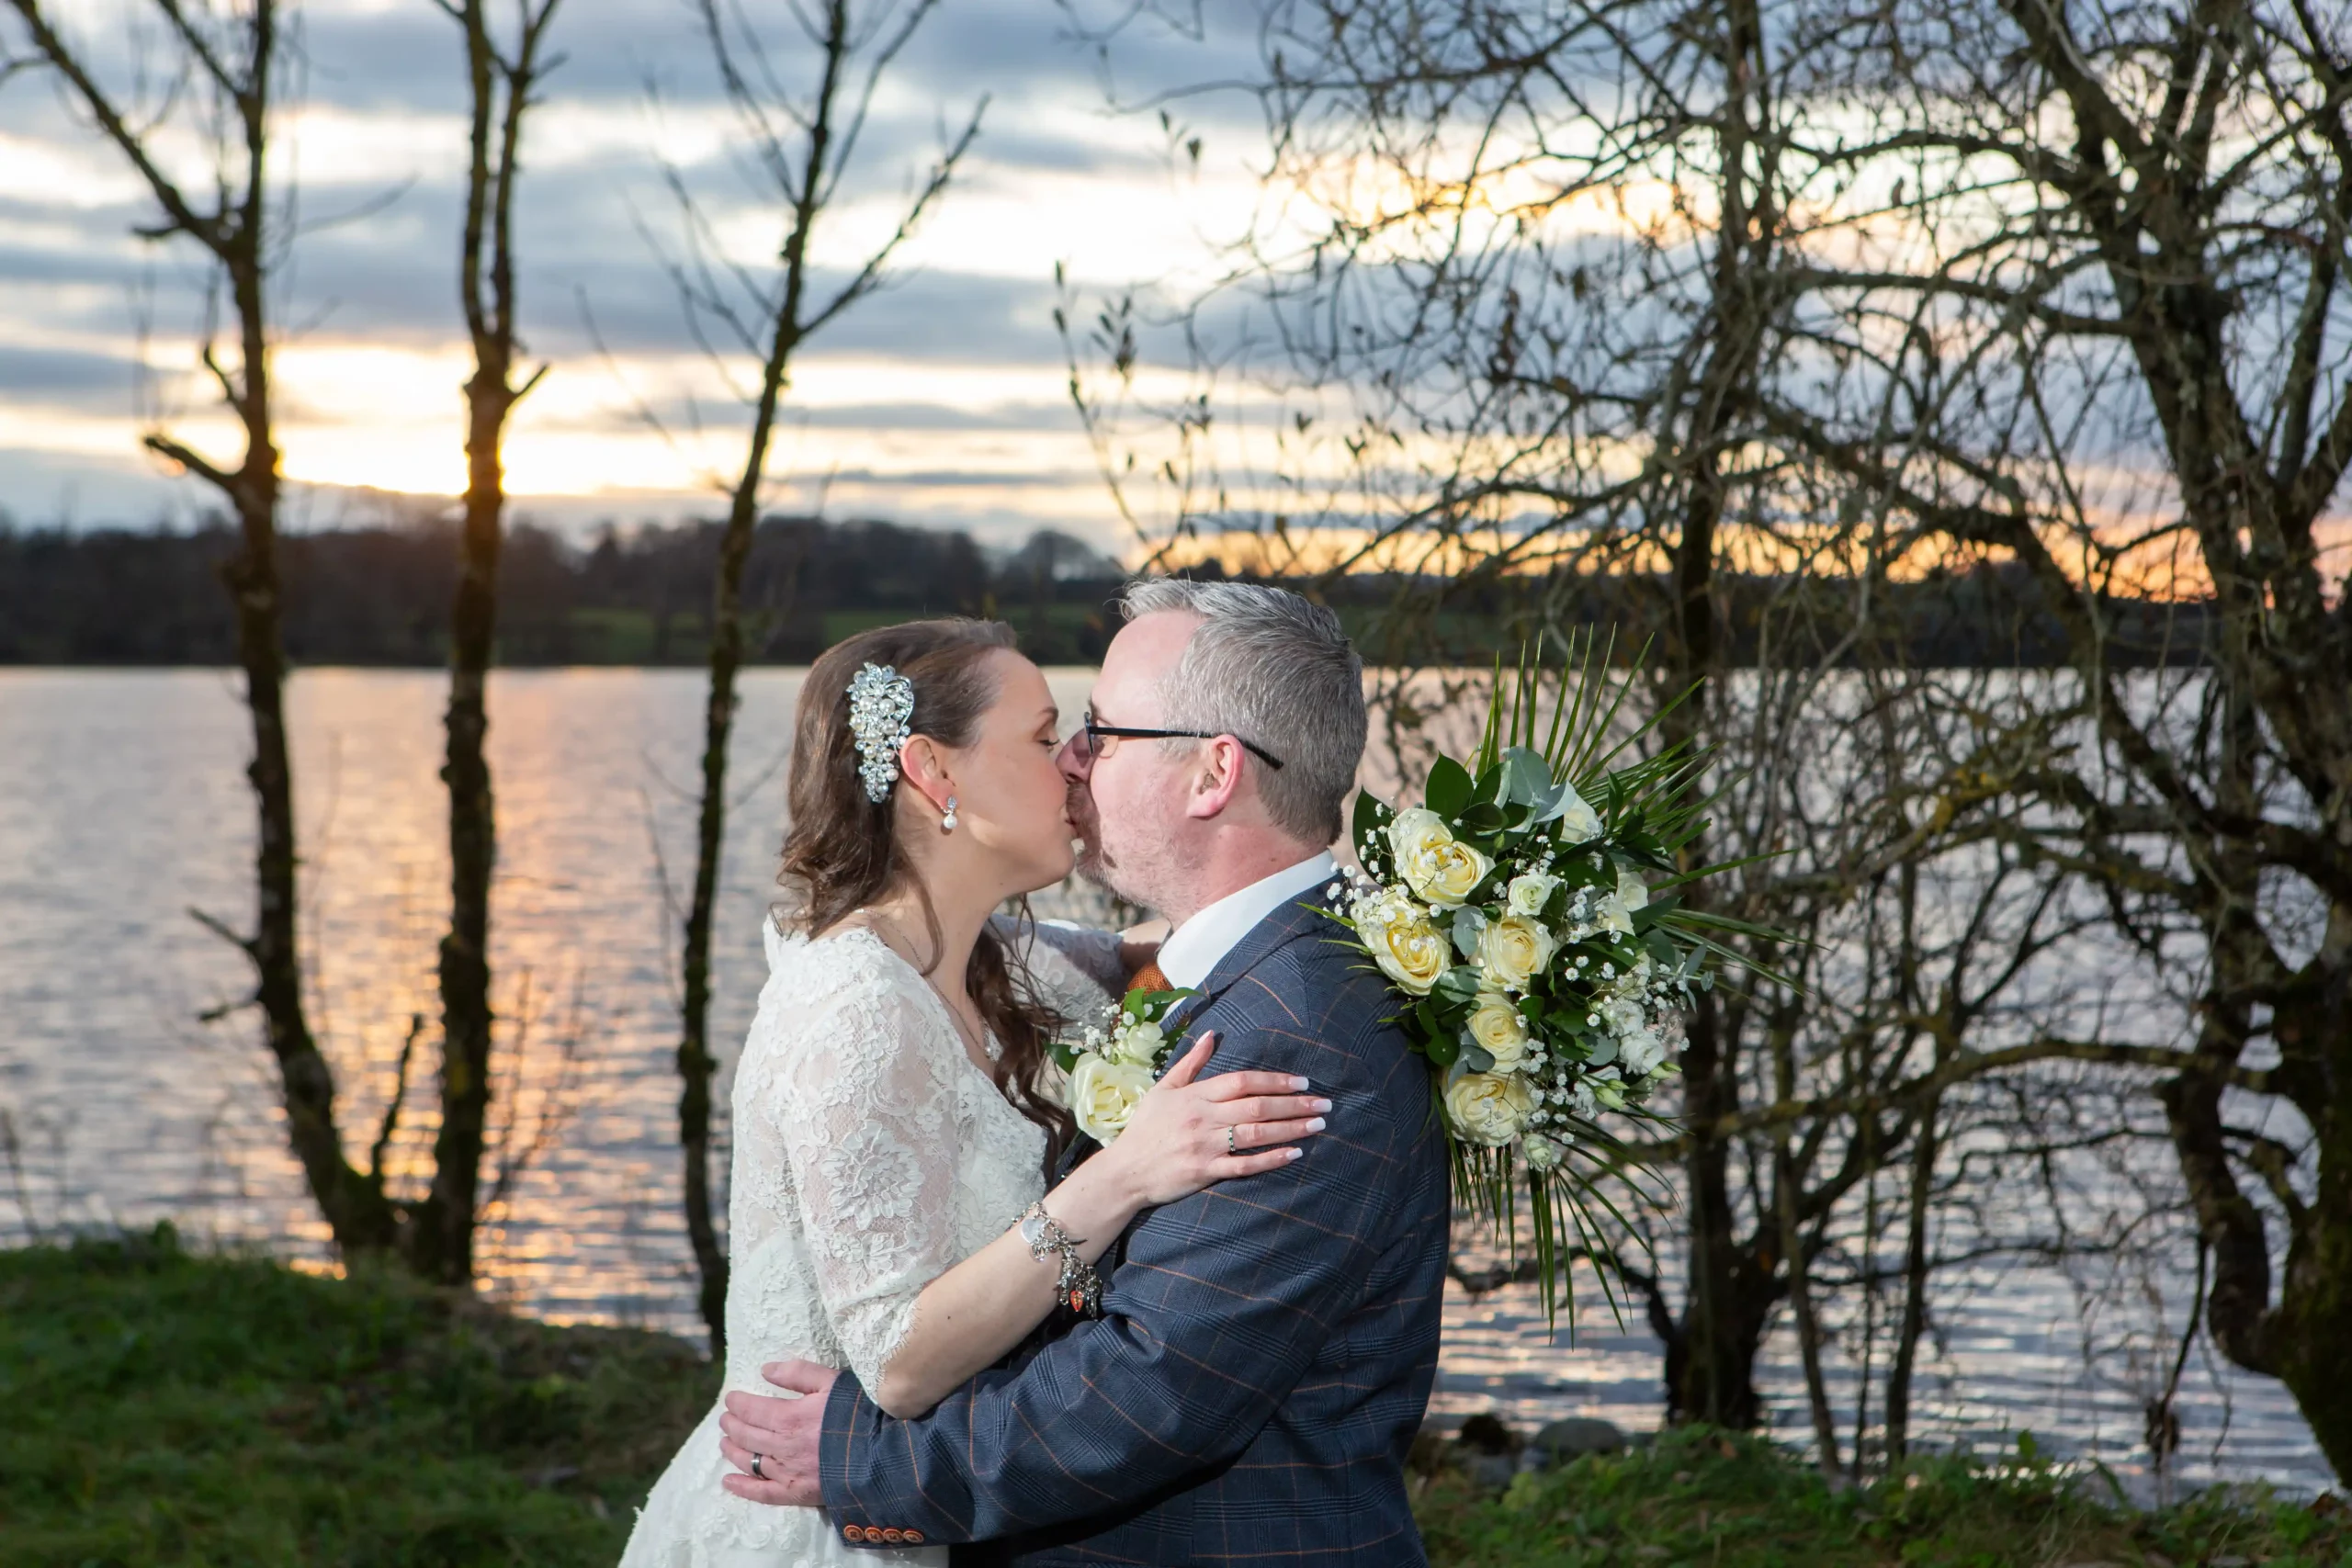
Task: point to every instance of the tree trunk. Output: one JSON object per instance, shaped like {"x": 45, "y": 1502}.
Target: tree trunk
{"x": 446, "y": 1252}
{"x": 695, "y": 1064}
{"x": 355, "y": 1208}
{"x": 1915, "y": 1289}
{"x": 443, "y": 1248}
{"x": 1732, "y": 1289}
{"x": 236, "y": 235}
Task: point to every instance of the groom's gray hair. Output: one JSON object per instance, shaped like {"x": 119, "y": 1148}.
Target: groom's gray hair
{"x": 1273, "y": 669}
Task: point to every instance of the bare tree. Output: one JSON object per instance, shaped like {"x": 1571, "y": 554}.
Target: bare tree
{"x": 230, "y": 64}
{"x": 800, "y": 142}
{"x": 2130, "y": 376}
{"x": 1561, "y": 281}
{"x": 501, "y": 81}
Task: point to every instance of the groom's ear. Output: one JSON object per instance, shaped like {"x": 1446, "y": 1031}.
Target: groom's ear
{"x": 1217, "y": 779}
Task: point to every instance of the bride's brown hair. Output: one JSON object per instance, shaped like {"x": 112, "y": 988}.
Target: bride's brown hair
{"x": 842, "y": 852}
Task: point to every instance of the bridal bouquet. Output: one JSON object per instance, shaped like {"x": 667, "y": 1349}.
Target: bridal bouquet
{"x": 1526, "y": 909}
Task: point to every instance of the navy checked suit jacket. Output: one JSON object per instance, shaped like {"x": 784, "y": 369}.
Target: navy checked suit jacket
{"x": 1266, "y": 1349}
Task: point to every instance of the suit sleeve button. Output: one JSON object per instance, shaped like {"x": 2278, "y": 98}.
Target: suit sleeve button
{"x": 851, "y": 1532}
{"x": 892, "y": 1536}
{"x": 914, "y": 1538}
{"x": 873, "y": 1535}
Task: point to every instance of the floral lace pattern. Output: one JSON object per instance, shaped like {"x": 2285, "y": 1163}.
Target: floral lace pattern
{"x": 871, "y": 1155}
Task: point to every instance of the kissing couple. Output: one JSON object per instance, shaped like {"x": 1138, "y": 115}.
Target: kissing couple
{"x": 1210, "y": 1339}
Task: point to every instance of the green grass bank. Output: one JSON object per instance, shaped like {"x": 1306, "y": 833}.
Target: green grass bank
{"x": 164, "y": 1408}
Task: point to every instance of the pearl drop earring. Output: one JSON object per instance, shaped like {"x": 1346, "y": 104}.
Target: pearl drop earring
{"x": 947, "y": 818}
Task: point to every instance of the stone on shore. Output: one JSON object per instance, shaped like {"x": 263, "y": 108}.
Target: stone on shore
{"x": 1577, "y": 1436}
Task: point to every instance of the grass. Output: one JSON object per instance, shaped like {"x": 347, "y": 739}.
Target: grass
{"x": 1705, "y": 1497}
{"x": 167, "y": 1409}
{"x": 159, "y": 1408}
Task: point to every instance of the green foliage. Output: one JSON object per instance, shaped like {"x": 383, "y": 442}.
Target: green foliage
{"x": 171, "y": 1409}
{"x": 1705, "y": 1496}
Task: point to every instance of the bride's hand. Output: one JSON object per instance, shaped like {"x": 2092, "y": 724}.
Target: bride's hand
{"x": 1185, "y": 1135}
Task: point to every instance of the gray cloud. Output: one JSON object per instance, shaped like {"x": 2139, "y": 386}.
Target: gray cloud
{"x": 388, "y": 275}
{"x": 67, "y": 379}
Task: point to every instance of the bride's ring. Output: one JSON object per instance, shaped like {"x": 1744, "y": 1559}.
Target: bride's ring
{"x": 1228, "y": 1137}
{"x": 756, "y": 1467}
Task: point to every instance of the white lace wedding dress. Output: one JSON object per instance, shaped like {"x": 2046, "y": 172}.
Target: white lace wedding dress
{"x": 871, "y": 1155}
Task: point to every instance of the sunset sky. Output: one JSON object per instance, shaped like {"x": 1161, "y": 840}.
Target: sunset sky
{"x": 942, "y": 401}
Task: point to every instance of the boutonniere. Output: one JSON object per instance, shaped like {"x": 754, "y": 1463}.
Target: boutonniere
{"x": 1115, "y": 1060}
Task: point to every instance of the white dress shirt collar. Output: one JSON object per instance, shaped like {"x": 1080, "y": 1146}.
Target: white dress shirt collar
{"x": 1194, "y": 949}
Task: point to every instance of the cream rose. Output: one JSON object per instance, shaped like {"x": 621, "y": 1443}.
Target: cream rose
{"x": 1545, "y": 1153}
{"x": 1403, "y": 942}
{"x": 1511, "y": 951}
{"x": 1610, "y": 915}
{"x": 1435, "y": 864}
{"x": 1488, "y": 1108}
{"x": 1500, "y": 1030}
{"x": 1632, "y": 891}
{"x": 1579, "y": 822}
{"x": 1104, "y": 1093}
{"x": 1530, "y": 891}
{"x": 1135, "y": 1044}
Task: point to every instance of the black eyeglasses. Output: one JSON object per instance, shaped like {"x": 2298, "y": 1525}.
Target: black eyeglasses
{"x": 1092, "y": 730}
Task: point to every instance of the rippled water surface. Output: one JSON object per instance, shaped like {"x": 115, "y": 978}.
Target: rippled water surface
{"x": 123, "y": 806}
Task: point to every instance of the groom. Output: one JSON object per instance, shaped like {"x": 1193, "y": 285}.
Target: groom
{"x": 1267, "y": 1346}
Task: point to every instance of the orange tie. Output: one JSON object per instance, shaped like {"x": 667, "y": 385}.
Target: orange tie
{"x": 1151, "y": 978}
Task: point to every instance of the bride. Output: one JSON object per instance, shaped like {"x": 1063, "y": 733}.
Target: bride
{"x": 893, "y": 1127}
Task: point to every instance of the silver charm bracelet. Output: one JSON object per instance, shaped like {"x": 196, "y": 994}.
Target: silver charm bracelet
{"x": 1080, "y": 1287}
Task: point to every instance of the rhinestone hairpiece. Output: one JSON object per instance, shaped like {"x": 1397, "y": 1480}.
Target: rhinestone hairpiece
{"x": 881, "y": 701}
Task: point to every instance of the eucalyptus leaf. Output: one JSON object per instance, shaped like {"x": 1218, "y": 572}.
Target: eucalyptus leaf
{"x": 1478, "y": 1056}
{"x": 1526, "y": 778}
{"x": 1459, "y": 984}
{"x": 1469, "y": 928}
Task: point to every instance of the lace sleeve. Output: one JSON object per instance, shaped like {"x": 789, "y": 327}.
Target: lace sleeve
{"x": 1076, "y": 968}
{"x": 863, "y": 1105}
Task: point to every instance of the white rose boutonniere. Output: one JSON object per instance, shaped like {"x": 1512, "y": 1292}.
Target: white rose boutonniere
{"x": 1403, "y": 942}
{"x": 1103, "y": 1093}
{"x": 1490, "y": 1109}
{"x": 1438, "y": 867}
{"x": 1136, "y": 1044}
{"x": 1115, "y": 1062}
{"x": 1511, "y": 951}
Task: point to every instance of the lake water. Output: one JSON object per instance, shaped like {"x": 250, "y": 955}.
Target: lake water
{"x": 123, "y": 804}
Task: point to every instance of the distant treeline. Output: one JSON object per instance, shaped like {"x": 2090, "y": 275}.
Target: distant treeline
{"x": 381, "y": 596}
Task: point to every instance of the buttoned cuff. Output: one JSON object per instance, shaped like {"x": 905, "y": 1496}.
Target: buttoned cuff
{"x": 848, "y": 1414}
